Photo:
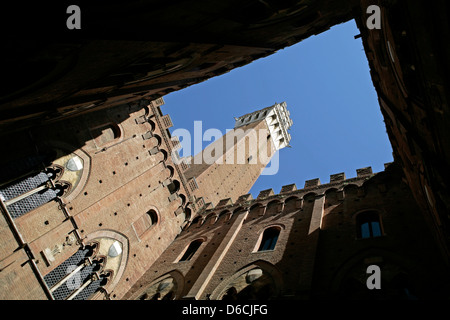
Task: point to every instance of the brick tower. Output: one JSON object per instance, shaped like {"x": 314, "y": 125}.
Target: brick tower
{"x": 229, "y": 166}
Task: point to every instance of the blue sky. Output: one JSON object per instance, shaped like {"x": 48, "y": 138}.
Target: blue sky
{"x": 325, "y": 81}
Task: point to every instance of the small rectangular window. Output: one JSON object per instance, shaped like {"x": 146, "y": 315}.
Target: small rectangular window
{"x": 191, "y": 250}
{"x": 269, "y": 239}
{"x": 368, "y": 225}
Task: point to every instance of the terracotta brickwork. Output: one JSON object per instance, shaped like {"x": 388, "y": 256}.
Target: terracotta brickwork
{"x": 125, "y": 172}
{"x": 68, "y": 74}
{"x": 237, "y": 168}
{"x": 129, "y": 222}
{"x": 318, "y": 253}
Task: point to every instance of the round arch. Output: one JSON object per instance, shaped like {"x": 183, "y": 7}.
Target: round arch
{"x": 173, "y": 280}
{"x": 310, "y": 196}
{"x": 256, "y": 205}
{"x": 330, "y": 190}
{"x": 238, "y": 209}
{"x": 224, "y": 214}
{"x": 355, "y": 268}
{"x": 350, "y": 188}
{"x": 195, "y": 221}
{"x": 211, "y": 218}
{"x": 158, "y": 139}
{"x": 171, "y": 170}
{"x": 256, "y": 209}
{"x": 268, "y": 269}
{"x": 293, "y": 203}
{"x": 274, "y": 207}
{"x": 152, "y": 125}
{"x": 164, "y": 154}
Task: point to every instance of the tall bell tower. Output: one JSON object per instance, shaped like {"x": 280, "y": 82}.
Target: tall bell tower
{"x": 229, "y": 166}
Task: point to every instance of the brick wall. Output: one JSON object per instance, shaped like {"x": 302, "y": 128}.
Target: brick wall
{"x": 119, "y": 183}
{"x": 318, "y": 249}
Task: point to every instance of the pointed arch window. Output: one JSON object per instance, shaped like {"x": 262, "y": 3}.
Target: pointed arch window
{"x": 25, "y": 195}
{"x": 368, "y": 225}
{"x": 80, "y": 276}
{"x": 269, "y": 239}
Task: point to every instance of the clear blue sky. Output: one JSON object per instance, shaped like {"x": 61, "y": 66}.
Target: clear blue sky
{"x": 325, "y": 81}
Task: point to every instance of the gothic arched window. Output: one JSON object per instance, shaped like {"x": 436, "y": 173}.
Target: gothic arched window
{"x": 25, "y": 195}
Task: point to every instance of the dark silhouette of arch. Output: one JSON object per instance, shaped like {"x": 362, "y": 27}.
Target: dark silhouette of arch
{"x": 223, "y": 214}
{"x": 310, "y": 197}
{"x": 187, "y": 212}
{"x": 159, "y": 139}
{"x": 230, "y": 295}
{"x": 174, "y": 186}
{"x": 195, "y": 220}
{"x": 153, "y": 217}
{"x": 292, "y": 204}
{"x": 183, "y": 199}
{"x": 171, "y": 169}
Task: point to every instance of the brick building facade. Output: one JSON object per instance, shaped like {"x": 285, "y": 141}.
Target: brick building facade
{"x": 229, "y": 166}
{"x": 100, "y": 207}
{"x": 98, "y": 192}
{"x": 87, "y": 178}
{"x": 311, "y": 243}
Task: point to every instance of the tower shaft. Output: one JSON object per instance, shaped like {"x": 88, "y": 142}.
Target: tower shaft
{"x": 229, "y": 166}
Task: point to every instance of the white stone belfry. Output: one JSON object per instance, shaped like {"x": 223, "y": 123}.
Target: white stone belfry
{"x": 277, "y": 119}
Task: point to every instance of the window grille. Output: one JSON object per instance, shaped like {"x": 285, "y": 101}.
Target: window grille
{"x": 77, "y": 278}
{"x": 28, "y": 194}
{"x": 31, "y": 202}
{"x": 23, "y": 186}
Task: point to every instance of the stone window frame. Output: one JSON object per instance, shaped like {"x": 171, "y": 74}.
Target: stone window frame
{"x": 261, "y": 232}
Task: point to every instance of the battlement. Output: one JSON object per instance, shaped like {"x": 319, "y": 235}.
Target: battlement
{"x": 337, "y": 180}
{"x": 315, "y": 184}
